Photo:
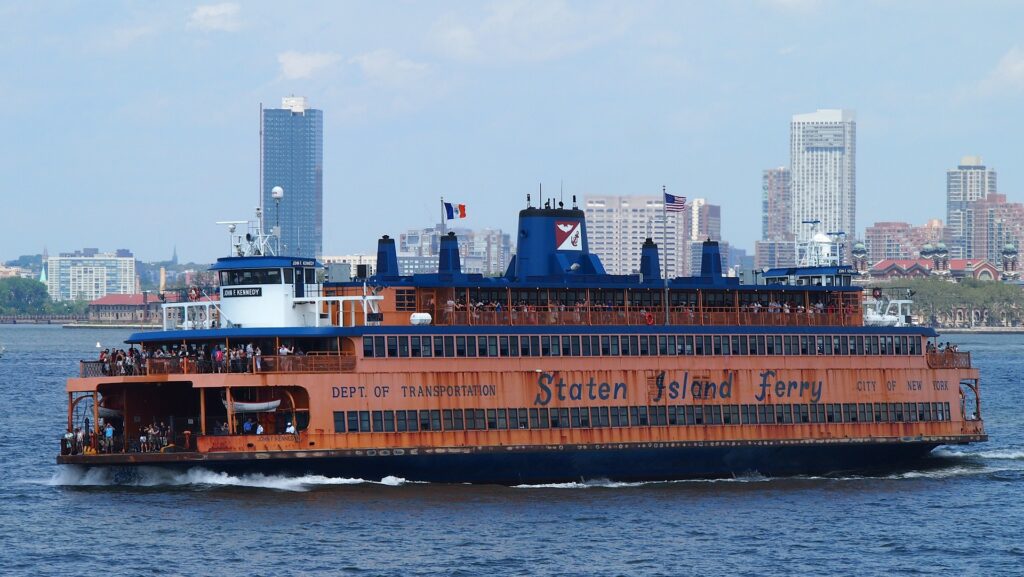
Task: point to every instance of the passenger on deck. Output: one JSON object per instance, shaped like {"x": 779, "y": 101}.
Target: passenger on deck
{"x": 247, "y": 427}
{"x": 108, "y": 438}
{"x": 290, "y": 429}
{"x": 259, "y": 429}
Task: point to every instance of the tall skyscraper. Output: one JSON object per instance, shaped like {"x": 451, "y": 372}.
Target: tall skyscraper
{"x": 776, "y": 247}
{"x": 968, "y": 182}
{"x": 823, "y": 167}
{"x": 293, "y": 159}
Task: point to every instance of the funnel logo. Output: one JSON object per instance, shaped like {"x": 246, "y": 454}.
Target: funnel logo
{"x": 568, "y": 235}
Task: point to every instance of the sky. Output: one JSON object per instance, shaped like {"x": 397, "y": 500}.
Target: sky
{"x": 135, "y": 124}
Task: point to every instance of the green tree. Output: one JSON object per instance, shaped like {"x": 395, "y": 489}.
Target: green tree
{"x": 19, "y": 296}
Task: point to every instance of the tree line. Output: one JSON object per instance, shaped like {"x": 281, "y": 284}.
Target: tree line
{"x": 25, "y": 296}
{"x": 966, "y": 303}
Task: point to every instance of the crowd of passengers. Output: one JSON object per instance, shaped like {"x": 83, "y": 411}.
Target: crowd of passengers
{"x": 218, "y": 359}
{"x": 152, "y": 438}
{"x": 454, "y": 306}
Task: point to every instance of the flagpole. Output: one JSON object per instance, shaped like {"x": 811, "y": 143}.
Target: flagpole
{"x": 664, "y": 250}
{"x": 444, "y": 222}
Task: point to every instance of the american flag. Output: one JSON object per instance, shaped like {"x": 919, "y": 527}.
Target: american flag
{"x": 674, "y": 203}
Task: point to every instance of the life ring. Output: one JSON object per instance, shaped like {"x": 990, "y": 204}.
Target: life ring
{"x": 876, "y": 293}
{"x": 193, "y": 293}
{"x": 649, "y": 318}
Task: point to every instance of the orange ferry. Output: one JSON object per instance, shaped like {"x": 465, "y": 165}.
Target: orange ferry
{"x": 554, "y": 372}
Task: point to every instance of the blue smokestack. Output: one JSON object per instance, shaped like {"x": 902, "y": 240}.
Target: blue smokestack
{"x": 650, "y": 267}
{"x": 711, "y": 260}
{"x": 448, "y": 261}
{"x": 387, "y": 257}
{"x": 552, "y": 244}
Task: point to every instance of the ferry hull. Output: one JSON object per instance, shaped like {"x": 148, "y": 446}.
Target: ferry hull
{"x": 552, "y": 464}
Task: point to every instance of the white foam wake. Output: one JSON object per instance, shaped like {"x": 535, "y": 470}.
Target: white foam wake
{"x": 998, "y": 454}
{"x": 156, "y": 477}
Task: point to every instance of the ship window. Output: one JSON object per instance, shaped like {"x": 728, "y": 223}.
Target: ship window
{"x": 513, "y": 346}
{"x": 449, "y": 346}
{"x": 405, "y": 300}
{"x": 556, "y": 346}
{"x": 843, "y": 345}
{"x": 860, "y": 345}
{"x": 900, "y": 344}
{"x": 289, "y": 276}
{"x": 538, "y": 418}
{"x": 353, "y": 421}
{"x": 675, "y": 415}
{"x": 766, "y": 414}
{"x": 503, "y": 346}
{"x": 574, "y": 415}
{"x": 586, "y": 350}
{"x": 615, "y": 345}
{"x": 638, "y": 416}
{"x": 497, "y": 419}
{"x": 769, "y": 346}
{"x": 535, "y": 349}
{"x": 806, "y": 346}
{"x": 833, "y": 413}
{"x": 492, "y": 346}
{"x": 378, "y": 347}
{"x": 378, "y": 422}
{"x": 339, "y": 421}
{"x": 599, "y": 416}
{"x": 910, "y": 412}
{"x": 801, "y": 414}
{"x": 389, "y": 421}
{"x": 627, "y": 346}
{"x": 471, "y": 348}
{"x": 392, "y": 346}
{"x": 731, "y": 415}
{"x": 425, "y": 421}
{"x": 414, "y": 347}
{"x": 663, "y": 346}
{"x": 923, "y": 413}
{"x": 620, "y": 417}
{"x": 411, "y": 421}
{"x": 783, "y": 414}
{"x": 748, "y": 414}
{"x": 817, "y": 413}
{"x": 403, "y": 346}
{"x": 545, "y": 346}
{"x": 310, "y": 276}
{"x": 574, "y": 342}
{"x": 560, "y": 418}
{"x": 634, "y": 345}
{"x": 698, "y": 415}
{"x": 849, "y": 413}
{"x": 438, "y": 347}
{"x": 896, "y": 412}
{"x": 713, "y": 414}
{"x": 400, "y": 422}
{"x": 518, "y": 419}
{"x": 699, "y": 349}
{"x": 367, "y": 347}
{"x": 659, "y": 416}
{"x": 460, "y": 346}
{"x": 475, "y": 420}
{"x": 364, "y": 421}
{"x": 452, "y": 419}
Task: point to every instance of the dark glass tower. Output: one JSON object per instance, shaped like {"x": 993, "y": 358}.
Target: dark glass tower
{"x": 293, "y": 158}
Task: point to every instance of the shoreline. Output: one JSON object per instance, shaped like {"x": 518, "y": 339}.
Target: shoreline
{"x": 110, "y": 326}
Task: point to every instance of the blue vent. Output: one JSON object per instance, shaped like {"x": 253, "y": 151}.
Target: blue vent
{"x": 552, "y": 244}
{"x": 650, "y": 267}
{"x": 448, "y": 260}
{"x": 387, "y": 257}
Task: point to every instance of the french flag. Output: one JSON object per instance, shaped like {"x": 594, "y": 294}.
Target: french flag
{"x": 455, "y": 210}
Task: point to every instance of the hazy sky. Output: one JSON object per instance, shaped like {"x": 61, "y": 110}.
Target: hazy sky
{"x": 135, "y": 125}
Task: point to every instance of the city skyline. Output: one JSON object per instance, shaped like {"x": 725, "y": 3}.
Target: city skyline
{"x": 150, "y": 113}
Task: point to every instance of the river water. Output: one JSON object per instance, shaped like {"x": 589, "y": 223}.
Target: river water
{"x": 960, "y": 513}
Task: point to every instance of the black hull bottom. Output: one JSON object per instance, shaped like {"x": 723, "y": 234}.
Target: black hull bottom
{"x": 562, "y": 464}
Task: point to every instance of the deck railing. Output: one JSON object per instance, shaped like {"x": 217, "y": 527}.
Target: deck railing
{"x": 949, "y": 359}
{"x": 707, "y": 316}
{"x": 309, "y": 363}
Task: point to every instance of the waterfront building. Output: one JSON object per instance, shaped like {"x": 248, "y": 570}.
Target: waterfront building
{"x": 900, "y": 240}
{"x": 992, "y": 223}
{"x": 970, "y": 181}
{"x": 292, "y": 158}
{"x": 89, "y": 274}
{"x": 823, "y": 179}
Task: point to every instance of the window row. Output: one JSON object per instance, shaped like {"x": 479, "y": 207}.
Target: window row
{"x": 635, "y": 345}
{"x": 600, "y": 417}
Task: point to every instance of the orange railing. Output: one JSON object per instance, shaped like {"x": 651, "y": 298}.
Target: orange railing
{"x": 949, "y": 360}
{"x": 310, "y": 363}
{"x": 583, "y": 315}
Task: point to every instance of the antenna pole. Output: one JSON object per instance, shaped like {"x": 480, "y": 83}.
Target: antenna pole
{"x": 444, "y": 221}
{"x": 664, "y": 250}
{"x": 261, "y": 158}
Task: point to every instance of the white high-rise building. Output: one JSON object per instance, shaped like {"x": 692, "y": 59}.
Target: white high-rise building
{"x": 89, "y": 274}
{"x": 971, "y": 180}
{"x": 823, "y": 173}
{"x": 618, "y": 225}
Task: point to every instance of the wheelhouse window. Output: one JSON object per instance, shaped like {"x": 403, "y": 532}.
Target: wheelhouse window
{"x": 250, "y": 276}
